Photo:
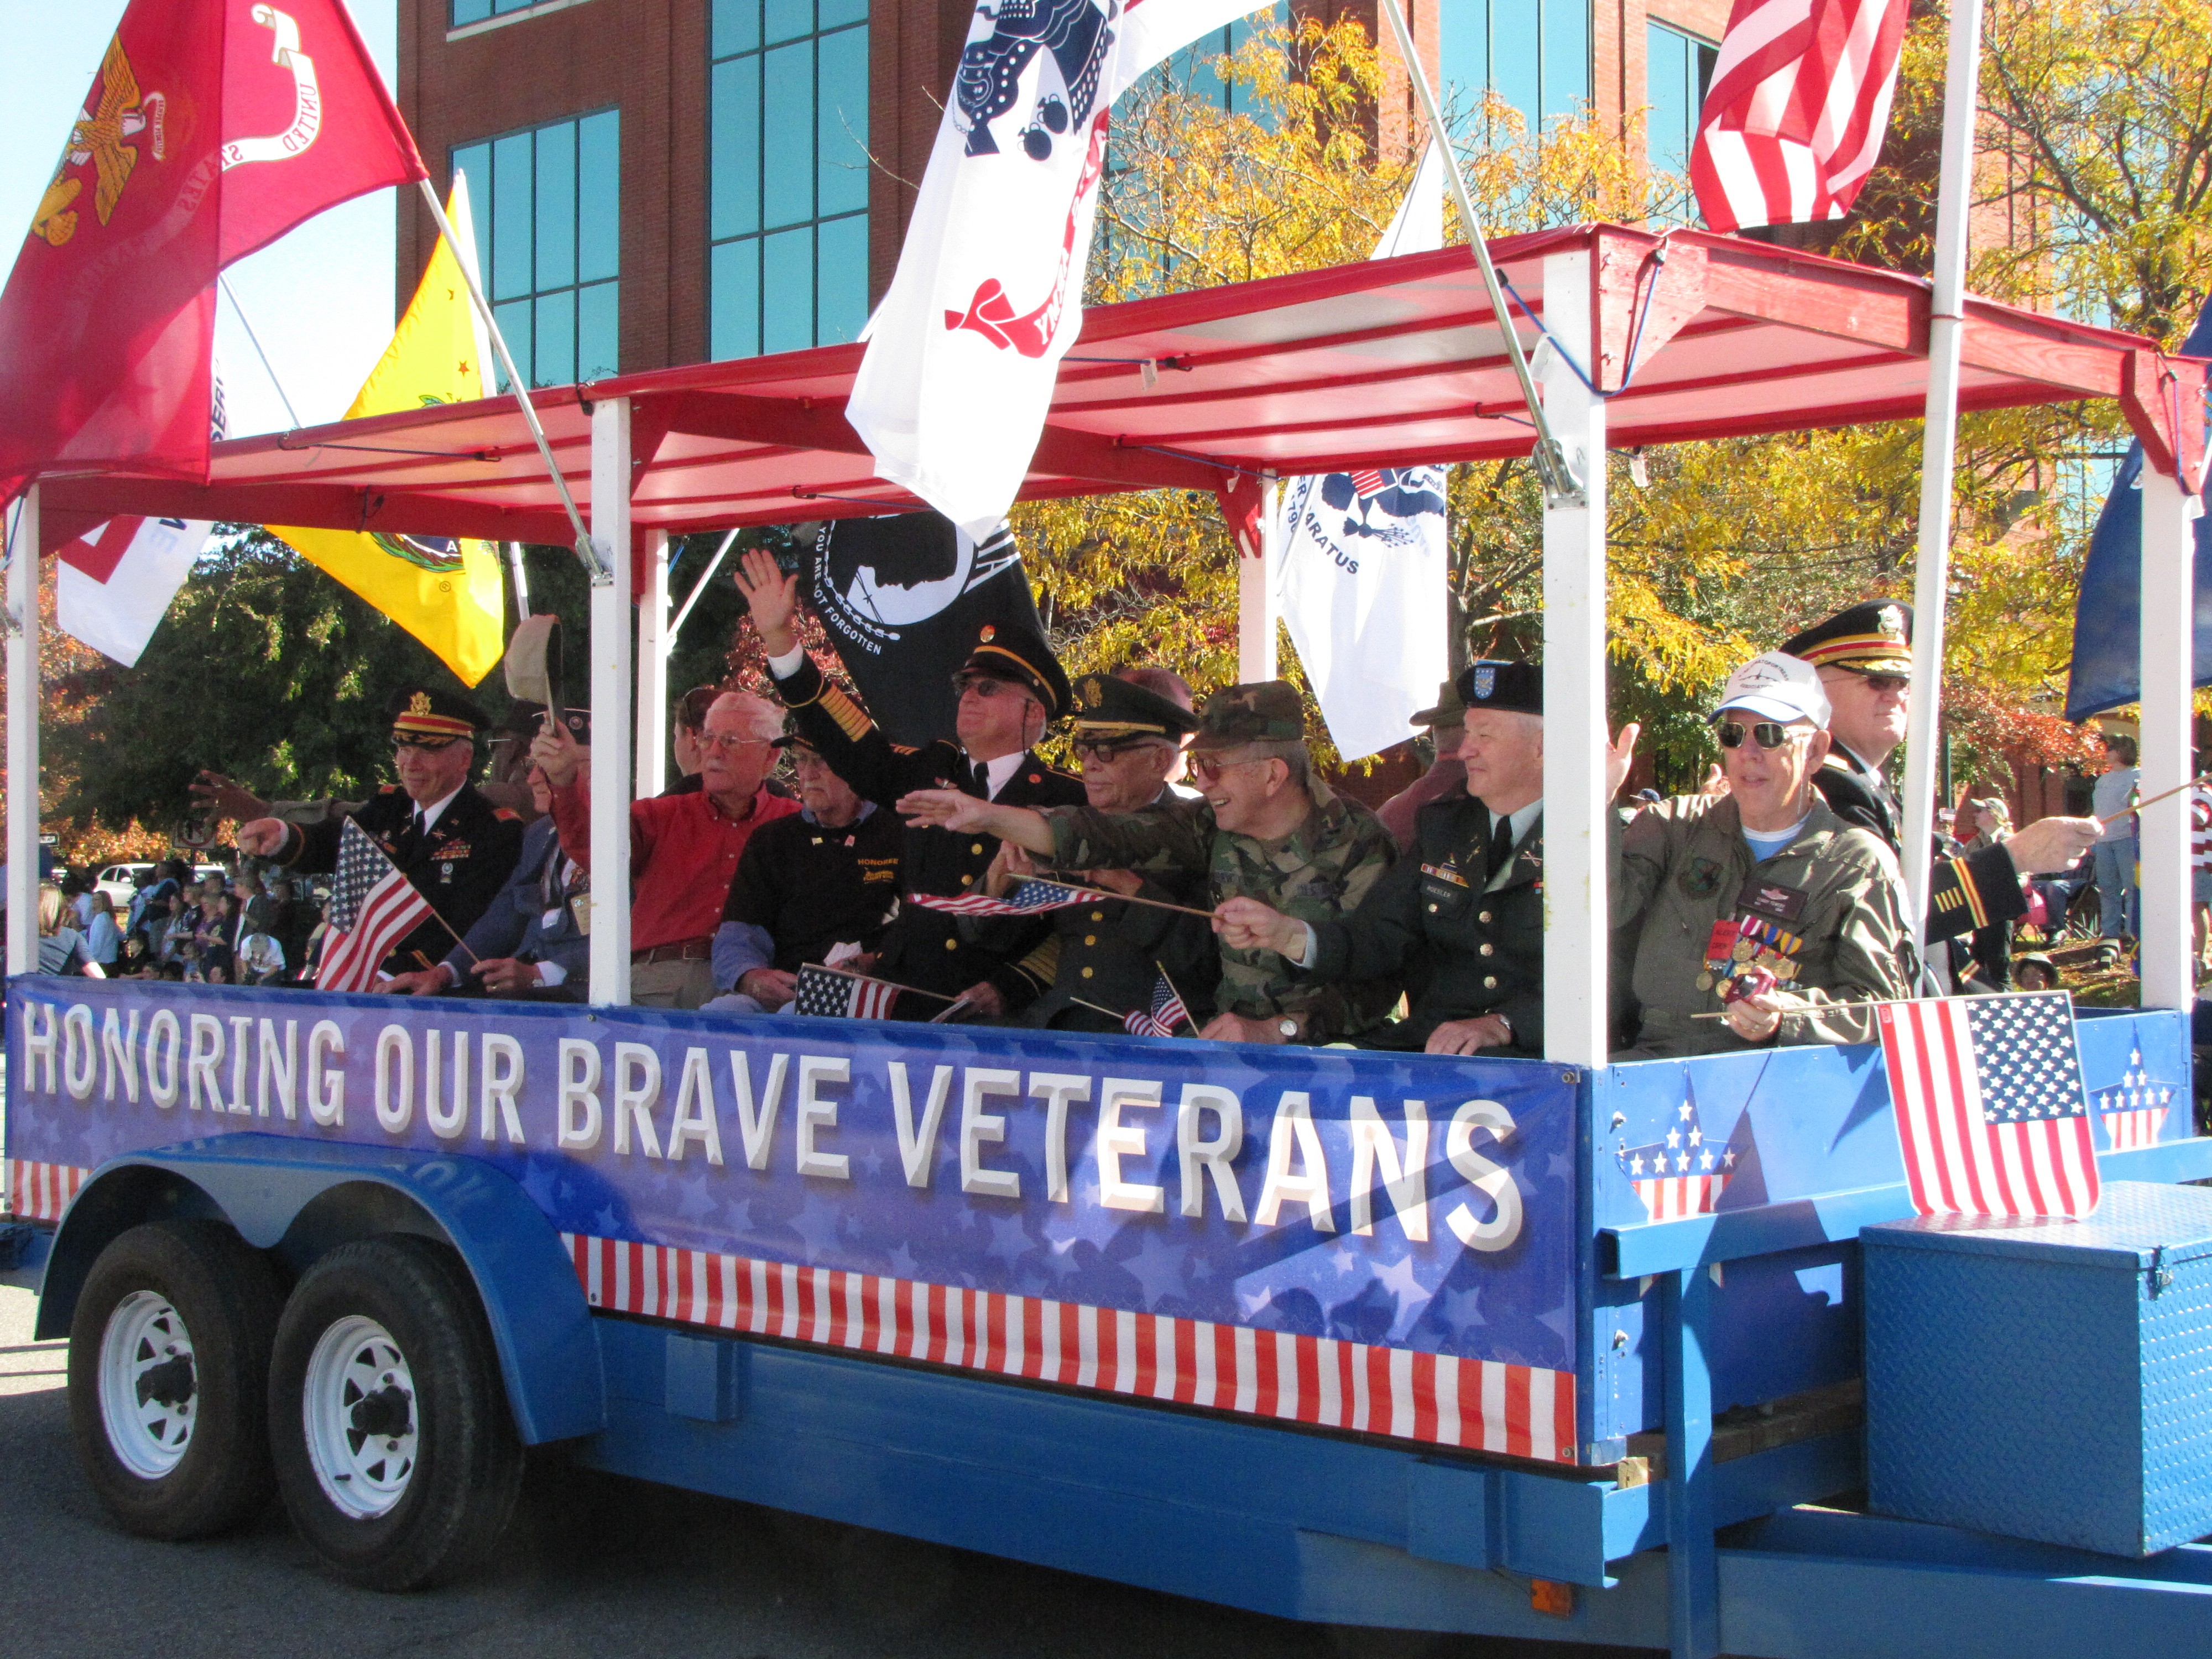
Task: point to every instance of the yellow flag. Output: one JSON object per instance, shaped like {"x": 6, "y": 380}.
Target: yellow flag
{"x": 447, "y": 594}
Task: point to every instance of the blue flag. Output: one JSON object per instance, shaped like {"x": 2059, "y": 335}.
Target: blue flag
{"x": 2107, "y": 670}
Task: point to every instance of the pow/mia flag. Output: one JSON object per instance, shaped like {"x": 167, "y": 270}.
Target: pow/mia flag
{"x": 901, "y": 599}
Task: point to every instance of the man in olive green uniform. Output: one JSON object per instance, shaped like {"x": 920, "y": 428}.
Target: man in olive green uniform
{"x": 1707, "y": 892}
{"x": 1265, "y": 827}
{"x": 1467, "y": 902}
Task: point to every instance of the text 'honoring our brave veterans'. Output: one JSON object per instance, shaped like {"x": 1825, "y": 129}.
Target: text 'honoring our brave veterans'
{"x": 964, "y": 349}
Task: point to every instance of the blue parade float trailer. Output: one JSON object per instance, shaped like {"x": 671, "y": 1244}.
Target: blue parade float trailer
{"x": 1645, "y": 1353}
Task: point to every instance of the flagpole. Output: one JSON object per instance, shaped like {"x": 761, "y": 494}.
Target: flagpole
{"x": 22, "y": 663}
{"x": 1939, "y": 442}
{"x": 587, "y": 550}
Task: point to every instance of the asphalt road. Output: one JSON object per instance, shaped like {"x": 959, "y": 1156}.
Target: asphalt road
{"x": 595, "y": 1567}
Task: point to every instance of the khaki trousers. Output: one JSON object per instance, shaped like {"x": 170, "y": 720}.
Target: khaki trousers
{"x": 670, "y": 984}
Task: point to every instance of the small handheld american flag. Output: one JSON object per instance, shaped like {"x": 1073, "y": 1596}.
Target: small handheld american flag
{"x": 827, "y": 994}
{"x": 1161, "y": 1019}
{"x": 1991, "y": 1115}
{"x": 1027, "y": 899}
{"x": 373, "y": 907}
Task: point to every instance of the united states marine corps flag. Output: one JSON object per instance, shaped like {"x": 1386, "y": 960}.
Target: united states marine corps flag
{"x": 213, "y": 127}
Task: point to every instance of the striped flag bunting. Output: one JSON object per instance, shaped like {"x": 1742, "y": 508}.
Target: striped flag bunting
{"x": 1991, "y": 1115}
{"x": 1027, "y": 899}
{"x": 1680, "y": 1173}
{"x": 1520, "y": 1411}
{"x": 40, "y": 1192}
{"x": 372, "y": 906}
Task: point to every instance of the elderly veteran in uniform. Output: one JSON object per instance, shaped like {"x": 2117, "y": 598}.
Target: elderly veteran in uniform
{"x": 530, "y": 942}
{"x": 455, "y": 847}
{"x": 1105, "y": 955}
{"x": 1761, "y": 906}
{"x": 1011, "y": 687}
{"x": 824, "y": 878}
{"x": 1266, "y": 828}
{"x": 683, "y": 849}
{"x": 1865, "y": 659}
{"x": 1466, "y": 904}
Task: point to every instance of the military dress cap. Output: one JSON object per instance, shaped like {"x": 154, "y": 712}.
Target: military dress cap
{"x": 1012, "y": 651}
{"x": 1517, "y": 688}
{"x": 793, "y": 737}
{"x": 1449, "y": 715}
{"x": 428, "y": 712}
{"x": 1107, "y": 707}
{"x": 1874, "y": 637}
{"x": 1265, "y": 711}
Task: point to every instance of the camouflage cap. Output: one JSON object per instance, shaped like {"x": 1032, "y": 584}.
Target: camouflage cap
{"x": 1265, "y": 711}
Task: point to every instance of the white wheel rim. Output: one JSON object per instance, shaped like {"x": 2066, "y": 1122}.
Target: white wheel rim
{"x": 358, "y": 1407}
{"x": 149, "y": 1384}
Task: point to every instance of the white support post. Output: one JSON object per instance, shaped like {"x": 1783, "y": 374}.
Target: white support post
{"x": 1256, "y": 605}
{"x": 653, "y": 643}
{"x": 610, "y": 712}
{"x": 22, "y": 661}
{"x": 1575, "y": 918}
{"x": 2169, "y": 628}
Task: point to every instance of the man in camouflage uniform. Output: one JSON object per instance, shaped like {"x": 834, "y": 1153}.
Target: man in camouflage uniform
{"x": 1265, "y": 827}
{"x": 1708, "y": 890}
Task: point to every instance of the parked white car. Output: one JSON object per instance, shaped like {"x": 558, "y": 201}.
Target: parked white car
{"x": 119, "y": 881}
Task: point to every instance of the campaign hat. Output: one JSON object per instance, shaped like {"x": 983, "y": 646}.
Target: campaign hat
{"x": 1449, "y": 715}
{"x": 1262, "y": 711}
{"x": 1875, "y": 637}
{"x": 1013, "y": 651}
{"x": 1516, "y": 688}
{"x": 1107, "y": 707}
{"x": 1777, "y": 687}
{"x": 424, "y": 711}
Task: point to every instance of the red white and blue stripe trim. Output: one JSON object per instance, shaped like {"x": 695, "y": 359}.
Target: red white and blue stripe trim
{"x": 40, "y": 1192}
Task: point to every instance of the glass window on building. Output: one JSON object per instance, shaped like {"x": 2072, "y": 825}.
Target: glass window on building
{"x": 787, "y": 210}
{"x": 1678, "y": 68}
{"x": 1192, "y": 67}
{"x": 1533, "y": 54}
{"x": 475, "y": 11}
{"x": 548, "y": 208}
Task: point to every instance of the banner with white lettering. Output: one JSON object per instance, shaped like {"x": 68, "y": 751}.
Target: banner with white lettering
{"x": 1369, "y": 1242}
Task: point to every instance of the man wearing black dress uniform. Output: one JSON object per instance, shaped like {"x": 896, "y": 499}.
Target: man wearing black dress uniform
{"x": 455, "y": 847}
{"x": 1011, "y": 687}
{"x": 1461, "y": 916}
{"x": 1864, "y": 658}
{"x": 1106, "y": 957}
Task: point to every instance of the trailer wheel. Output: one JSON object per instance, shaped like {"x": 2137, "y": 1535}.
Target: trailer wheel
{"x": 395, "y": 1453}
{"x": 169, "y": 1370}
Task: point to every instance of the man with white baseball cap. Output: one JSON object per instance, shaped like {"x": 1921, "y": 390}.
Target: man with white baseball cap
{"x": 1760, "y": 905}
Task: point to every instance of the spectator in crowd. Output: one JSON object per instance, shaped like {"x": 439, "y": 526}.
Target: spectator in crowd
{"x": 258, "y": 904}
{"x": 1268, "y": 828}
{"x": 103, "y": 940}
{"x": 1760, "y": 907}
{"x": 687, "y": 725}
{"x": 819, "y": 885}
{"x": 1982, "y": 961}
{"x": 1447, "y": 773}
{"x": 260, "y": 959}
{"x": 175, "y": 929}
{"x": 61, "y": 945}
{"x": 138, "y": 961}
{"x": 2112, "y": 798}
{"x": 683, "y": 849}
{"x": 78, "y": 892}
{"x": 294, "y": 922}
{"x": 319, "y": 943}
{"x": 2035, "y": 972}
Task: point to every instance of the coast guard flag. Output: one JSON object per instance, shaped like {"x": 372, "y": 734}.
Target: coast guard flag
{"x": 1793, "y": 119}
{"x": 964, "y": 349}
{"x": 213, "y": 127}
{"x": 1363, "y": 558}
{"x": 1991, "y": 1115}
{"x": 373, "y": 907}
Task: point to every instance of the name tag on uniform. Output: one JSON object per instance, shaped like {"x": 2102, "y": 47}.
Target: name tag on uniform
{"x": 1771, "y": 898}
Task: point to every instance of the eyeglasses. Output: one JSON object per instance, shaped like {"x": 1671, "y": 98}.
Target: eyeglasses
{"x": 1205, "y": 768}
{"x": 1767, "y": 734}
{"x": 414, "y": 740}
{"x": 1109, "y": 749}
{"x": 729, "y": 740}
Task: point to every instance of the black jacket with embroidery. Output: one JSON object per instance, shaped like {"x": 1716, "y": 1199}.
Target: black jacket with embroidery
{"x": 1976, "y": 890}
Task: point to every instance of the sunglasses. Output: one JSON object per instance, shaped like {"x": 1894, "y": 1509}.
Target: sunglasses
{"x": 1205, "y": 768}
{"x": 1767, "y": 734}
{"x": 1880, "y": 683}
{"x": 983, "y": 686}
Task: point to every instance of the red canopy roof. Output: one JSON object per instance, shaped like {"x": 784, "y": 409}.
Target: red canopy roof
{"x": 1386, "y": 363}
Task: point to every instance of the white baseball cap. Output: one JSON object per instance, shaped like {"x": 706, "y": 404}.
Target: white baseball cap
{"x": 1778, "y": 687}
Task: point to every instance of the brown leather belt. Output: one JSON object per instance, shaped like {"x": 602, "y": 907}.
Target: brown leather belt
{"x": 689, "y": 949}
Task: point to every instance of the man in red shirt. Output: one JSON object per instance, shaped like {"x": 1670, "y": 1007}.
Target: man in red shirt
{"x": 682, "y": 848}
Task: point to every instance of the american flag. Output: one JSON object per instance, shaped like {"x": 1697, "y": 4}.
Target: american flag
{"x": 1991, "y": 1115}
{"x": 2133, "y": 1109}
{"x": 373, "y": 907}
{"x": 1680, "y": 1173}
{"x": 1368, "y": 482}
{"x": 828, "y": 993}
{"x": 1161, "y": 1019}
{"x": 1793, "y": 119}
{"x": 1025, "y": 900}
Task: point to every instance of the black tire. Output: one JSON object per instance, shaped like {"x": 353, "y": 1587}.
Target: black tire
{"x": 211, "y": 1376}
{"x": 448, "y": 1487}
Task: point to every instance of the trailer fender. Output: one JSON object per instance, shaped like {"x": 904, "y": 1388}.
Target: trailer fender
{"x": 299, "y": 1198}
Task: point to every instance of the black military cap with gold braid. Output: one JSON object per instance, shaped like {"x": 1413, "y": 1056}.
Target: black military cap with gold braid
{"x": 1010, "y": 651}
{"x": 1107, "y": 707}
{"x": 1874, "y": 637}
{"x": 427, "y": 712}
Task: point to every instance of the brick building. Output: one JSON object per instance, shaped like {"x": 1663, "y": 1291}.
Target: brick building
{"x": 667, "y": 181}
